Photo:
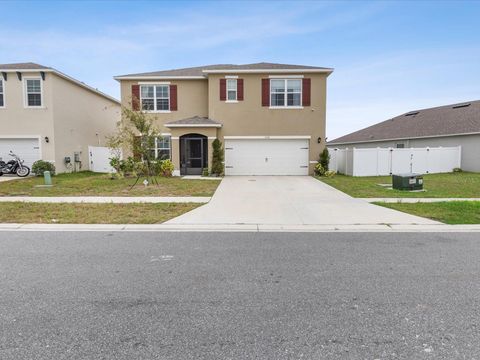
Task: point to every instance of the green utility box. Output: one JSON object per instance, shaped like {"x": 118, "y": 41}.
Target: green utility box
{"x": 407, "y": 182}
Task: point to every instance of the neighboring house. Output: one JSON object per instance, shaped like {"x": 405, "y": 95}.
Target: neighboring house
{"x": 269, "y": 117}
{"x": 450, "y": 125}
{"x": 45, "y": 114}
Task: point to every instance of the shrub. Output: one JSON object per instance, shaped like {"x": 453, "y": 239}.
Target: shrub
{"x": 40, "y": 166}
{"x": 319, "y": 170}
{"x": 457, "y": 170}
{"x": 205, "y": 172}
{"x": 217, "y": 158}
{"x": 324, "y": 159}
{"x": 122, "y": 167}
{"x": 330, "y": 173}
{"x": 166, "y": 167}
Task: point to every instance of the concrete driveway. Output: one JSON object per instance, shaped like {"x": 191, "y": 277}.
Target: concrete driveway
{"x": 289, "y": 200}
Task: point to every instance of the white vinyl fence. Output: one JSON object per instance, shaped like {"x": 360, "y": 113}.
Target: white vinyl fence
{"x": 99, "y": 159}
{"x": 387, "y": 161}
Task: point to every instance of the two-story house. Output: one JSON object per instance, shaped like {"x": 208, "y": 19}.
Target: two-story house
{"x": 270, "y": 117}
{"x": 45, "y": 114}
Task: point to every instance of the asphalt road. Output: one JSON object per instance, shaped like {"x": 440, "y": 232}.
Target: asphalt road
{"x": 150, "y": 295}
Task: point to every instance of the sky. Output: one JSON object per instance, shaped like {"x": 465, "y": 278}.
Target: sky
{"x": 389, "y": 57}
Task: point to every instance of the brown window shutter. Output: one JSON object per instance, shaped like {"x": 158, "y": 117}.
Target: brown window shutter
{"x": 135, "y": 97}
{"x": 306, "y": 85}
{"x": 240, "y": 89}
{"x": 265, "y": 92}
{"x": 223, "y": 89}
{"x": 173, "y": 98}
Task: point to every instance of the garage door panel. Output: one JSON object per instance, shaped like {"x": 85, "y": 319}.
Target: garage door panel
{"x": 266, "y": 157}
{"x": 27, "y": 149}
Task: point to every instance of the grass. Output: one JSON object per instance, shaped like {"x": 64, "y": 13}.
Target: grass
{"x": 87, "y": 183}
{"x": 460, "y": 185}
{"x": 452, "y": 212}
{"x": 47, "y": 213}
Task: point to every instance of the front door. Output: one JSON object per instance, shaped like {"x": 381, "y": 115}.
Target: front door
{"x": 193, "y": 156}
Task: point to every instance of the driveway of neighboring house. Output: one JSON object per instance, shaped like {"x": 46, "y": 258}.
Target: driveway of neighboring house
{"x": 289, "y": 200}
{"x": 9, "y": 178}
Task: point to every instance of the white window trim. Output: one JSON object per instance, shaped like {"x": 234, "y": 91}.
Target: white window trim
{"x": 236, "y": 91}
{"x": 155, "y": 111}
{"x": 285, "y": 79}
{"x": 3, "y": 95}
{"x": 25, "y": 93}
{"x": 158, "y": 148}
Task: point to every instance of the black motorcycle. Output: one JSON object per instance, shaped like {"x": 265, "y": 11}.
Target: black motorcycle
{"x": 14, "y": 166}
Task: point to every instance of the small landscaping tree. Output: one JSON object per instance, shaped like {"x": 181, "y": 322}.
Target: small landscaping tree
{"x": 324, "y": 159}
{"x": 217, "y": 158}
{"x": 136, "y": 133}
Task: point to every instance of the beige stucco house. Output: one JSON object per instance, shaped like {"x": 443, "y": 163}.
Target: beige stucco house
{"x": 45, "y": 114}
{"x": 269, "y": 117}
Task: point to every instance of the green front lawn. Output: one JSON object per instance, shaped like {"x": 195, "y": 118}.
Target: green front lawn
{"x": 94, "y": 184}
{"x": 456, "y": 185}
{"x": 452, "y": 212}
{"x": 136, "y": 213}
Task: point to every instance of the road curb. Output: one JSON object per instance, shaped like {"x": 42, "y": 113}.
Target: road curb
{"x": 243, "y": 227}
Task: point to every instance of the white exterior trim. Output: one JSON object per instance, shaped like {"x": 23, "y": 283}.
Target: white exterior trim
{"x": 154, "y": 83}
{"x": 212, "y": 137}
{"x": 272, "y": 71}
{"x": 231, "y": 101}
{"x": 140, "y": 77}
{"x": 285, "y": 76}
{"x": 25, "y": 93}
{"x": 3, "y": 94}
{"x": 401, "y": 139}
{"x": 285, "y": 107}
{"x": 274, "y": 137}
{"x": 313, "y": 161}
{"x": 231, "y": 76}
{"x": 193, "y": 125}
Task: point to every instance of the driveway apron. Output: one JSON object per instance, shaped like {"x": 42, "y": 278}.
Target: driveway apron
{"x": 289, "y": 200}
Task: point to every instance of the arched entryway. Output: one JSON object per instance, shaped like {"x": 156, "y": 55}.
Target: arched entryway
{"x": 193, "y": 154}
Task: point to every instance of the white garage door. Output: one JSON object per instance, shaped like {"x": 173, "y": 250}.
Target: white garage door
{"x": 266, "y": 156}
{"x": 27, "y": 149}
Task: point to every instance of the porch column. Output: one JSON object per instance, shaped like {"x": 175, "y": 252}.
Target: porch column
{"x": 176, "y": 154}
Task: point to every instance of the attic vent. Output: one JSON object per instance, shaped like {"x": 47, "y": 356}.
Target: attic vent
{"x": 460, "y": 106}
{"x": 412, "y": 113}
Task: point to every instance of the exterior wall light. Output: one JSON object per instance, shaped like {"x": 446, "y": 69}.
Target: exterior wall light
{"x": 47, "y": 140}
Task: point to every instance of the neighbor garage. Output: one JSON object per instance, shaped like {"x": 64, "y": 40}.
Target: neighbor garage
{"x": 27, "y": 149}
{"x": 266, "y": 156}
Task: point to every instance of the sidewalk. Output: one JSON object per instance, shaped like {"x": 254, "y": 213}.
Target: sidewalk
{"x": 416, "y": 200}
{"x": 107, "y": 199}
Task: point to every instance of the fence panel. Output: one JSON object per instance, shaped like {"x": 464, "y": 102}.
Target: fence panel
{"x": 386, "y": 161}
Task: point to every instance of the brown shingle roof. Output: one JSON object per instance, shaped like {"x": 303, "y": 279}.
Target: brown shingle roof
{"x": 462, "y": 118}
{"x": 196, "y": 120}
{"x": 198, "y": 71}
{"x": 23, "y": 66}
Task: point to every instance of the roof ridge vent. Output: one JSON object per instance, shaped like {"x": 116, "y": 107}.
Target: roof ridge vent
{"x": 461, "y": 106}
{"x": 412, "y": 113}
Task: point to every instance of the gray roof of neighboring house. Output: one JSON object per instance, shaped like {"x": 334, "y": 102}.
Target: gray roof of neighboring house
{"x": 196, "y": 120}
{"x": 33, "y": 66}
{"x": 23, "y": 66}
{"x": 462, "y": 118}
{"x": 199, "y": 70}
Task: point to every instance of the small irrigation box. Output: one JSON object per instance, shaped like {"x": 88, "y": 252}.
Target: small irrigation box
{"x": 407, "y": 182}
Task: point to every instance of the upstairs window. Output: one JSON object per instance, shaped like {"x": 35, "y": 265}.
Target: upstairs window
{"x": 231, "y": 89}
{"x": 2, "y": 100}
{"x": 33, "y": 91}
{"x": 285, "y": 92}
{"x": 155, "y": 97}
